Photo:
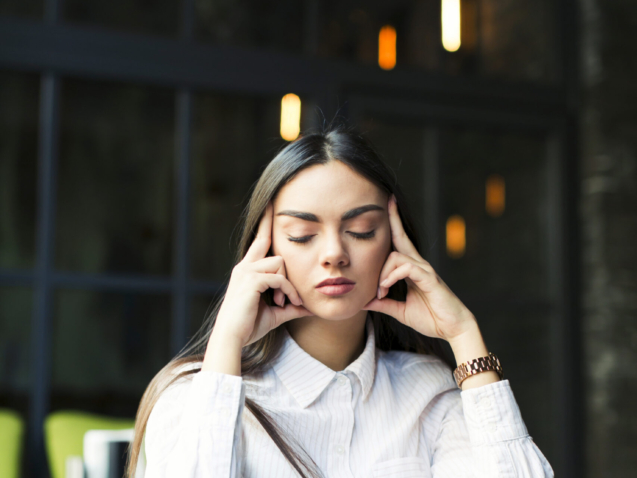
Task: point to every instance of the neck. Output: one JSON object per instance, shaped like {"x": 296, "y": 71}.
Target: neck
{"x": 334, "y": 343}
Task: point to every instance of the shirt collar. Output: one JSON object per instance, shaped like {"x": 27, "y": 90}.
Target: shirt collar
{"x": 306, "y": 378}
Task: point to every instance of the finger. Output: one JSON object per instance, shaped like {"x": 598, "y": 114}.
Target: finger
{"x": 407, "y": 270}
{"x": 261, "y": 244}
{"x": 272, "y": 265}
{"x": 276, "y": 281}
{"x": 393, "y": 308}
{"x": 267, "y": 265}
{"x": 289, "y": 312}
{"x": 401, "y": 241}
{"x": 393, "y": 262}
{"x": 279, "y": 297}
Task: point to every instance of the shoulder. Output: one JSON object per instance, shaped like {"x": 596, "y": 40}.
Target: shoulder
{"x": 173, "y": 382}
{"x": 412, "y": 366}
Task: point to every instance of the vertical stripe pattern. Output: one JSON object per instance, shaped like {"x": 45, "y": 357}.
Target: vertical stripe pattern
{"x": 388, "y": 414}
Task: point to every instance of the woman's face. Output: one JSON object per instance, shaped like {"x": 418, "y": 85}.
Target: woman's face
{"x": 320, "y": 234}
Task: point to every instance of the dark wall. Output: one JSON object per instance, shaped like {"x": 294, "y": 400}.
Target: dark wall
{"x": 609, "y": 214}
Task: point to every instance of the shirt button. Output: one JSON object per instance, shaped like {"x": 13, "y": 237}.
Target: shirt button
{"x": 494, "y": 428}
{"x": 340, "y": 449}
{"x": 342, "y": 380}
{"x": 227, "y": 388}
{"x": 485, "y": 402}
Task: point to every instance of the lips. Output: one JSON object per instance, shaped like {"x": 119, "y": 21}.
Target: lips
{"x": 335, "y": 281}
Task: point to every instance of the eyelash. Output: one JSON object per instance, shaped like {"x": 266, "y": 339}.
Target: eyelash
{"x": 305, "y": 239}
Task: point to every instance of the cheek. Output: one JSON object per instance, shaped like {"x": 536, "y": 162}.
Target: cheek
{"x": 297, "y": 262}
{"x": 373, "y": 259}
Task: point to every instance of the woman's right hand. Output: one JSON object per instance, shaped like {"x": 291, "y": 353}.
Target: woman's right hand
{"x": 244, "y": 315}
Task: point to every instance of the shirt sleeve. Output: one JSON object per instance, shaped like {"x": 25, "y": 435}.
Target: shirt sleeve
{"x": 194, "y": 429}
{"x": 481, "y": 434}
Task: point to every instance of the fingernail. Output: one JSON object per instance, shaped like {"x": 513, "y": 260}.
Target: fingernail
{"x": 378, "y": 293}
{"x": 384, "y": 283}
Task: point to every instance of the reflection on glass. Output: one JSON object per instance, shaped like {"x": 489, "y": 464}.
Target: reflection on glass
{"x": 159, "y": 17}
{"x": 18, "y": 158}
{"x": 22, "y": 8}
{"x": 275, "y": 24}
{"x": 495, "y": 195}
{"x": 450, "y": 18}
{"x": 387, "y": 47}
{"x": 16, "y": 305}
{"x": 290, "y": 117}
{"x": 107, "y": 346}
{"x": 115, "y": 194}
{"x": 456, "y": 236}
{"x": 233, "y": 139}
{"x": 505, "y": 255}
{"x": 493, "y": 38}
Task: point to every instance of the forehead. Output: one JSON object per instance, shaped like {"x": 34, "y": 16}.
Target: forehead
{"x": 331, "y": 186}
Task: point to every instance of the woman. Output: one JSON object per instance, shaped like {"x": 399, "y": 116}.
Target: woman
{"x": 329, "y": 335}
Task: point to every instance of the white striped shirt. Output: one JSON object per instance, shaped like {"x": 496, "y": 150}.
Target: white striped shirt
{"x": 388, "y": 414}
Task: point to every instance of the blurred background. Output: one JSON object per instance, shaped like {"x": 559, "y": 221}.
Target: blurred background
{"x": 131, "y": 132}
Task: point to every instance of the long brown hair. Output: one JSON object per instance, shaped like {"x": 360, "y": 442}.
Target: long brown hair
{"x": 334, "y": 142}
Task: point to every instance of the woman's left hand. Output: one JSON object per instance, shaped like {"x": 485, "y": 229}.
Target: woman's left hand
{"x": 431, "y": 308}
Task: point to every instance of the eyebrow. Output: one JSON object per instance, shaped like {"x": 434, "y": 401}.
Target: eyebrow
{"x": 352, "y": 213}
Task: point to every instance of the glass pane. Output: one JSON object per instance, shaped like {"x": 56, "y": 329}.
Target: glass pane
{"x": 520, "y": 339}
{"x": 161, "y": 17}
{"x": 23, "y": 8}
{"x": 505, "y": 255}
{"x": 275, "y": 24}
{"x": 517, "y": 39}
{"x": 18, "y": 173}
{"x": 107, "y": 346}
{"x": 233, "y": 138}
{"x": 200, "y": 309}
{"x": 510, "y": 39}
{"x": 402, "y": 146}
{"x": 115, "y": 194}
{"x": 350, "y": 29}
{"x": 16, "y": 305}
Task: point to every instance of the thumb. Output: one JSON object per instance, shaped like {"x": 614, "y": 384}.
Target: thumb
{"x": 391, "y": 307}
{"x": 289, "y": 312}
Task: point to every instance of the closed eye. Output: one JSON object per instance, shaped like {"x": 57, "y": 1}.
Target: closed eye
{"x": 355, "y": 235}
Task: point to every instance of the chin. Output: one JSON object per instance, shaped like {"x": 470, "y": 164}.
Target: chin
{"x": 336, "y": 308}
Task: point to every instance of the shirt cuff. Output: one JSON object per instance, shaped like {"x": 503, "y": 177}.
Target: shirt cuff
{"x": 492, "y": 414}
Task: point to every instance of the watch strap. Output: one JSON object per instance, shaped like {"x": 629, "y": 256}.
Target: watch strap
{"x": 479, "y": 365}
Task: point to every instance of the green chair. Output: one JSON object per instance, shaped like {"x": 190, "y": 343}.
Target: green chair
{"x": 11, "y": 431}
{"x": 64, "y": 435}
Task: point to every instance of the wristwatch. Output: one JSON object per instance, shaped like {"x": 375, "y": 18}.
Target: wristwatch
{"x": 475, "y": 366}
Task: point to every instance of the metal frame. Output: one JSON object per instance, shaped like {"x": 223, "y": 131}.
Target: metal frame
{"x": 55, "y": 50}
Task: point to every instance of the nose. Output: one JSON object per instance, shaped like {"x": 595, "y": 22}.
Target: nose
{"x": 334, "y": 252}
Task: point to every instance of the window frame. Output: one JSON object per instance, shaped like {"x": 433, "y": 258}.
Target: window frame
{"x": 55, "y": 50}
